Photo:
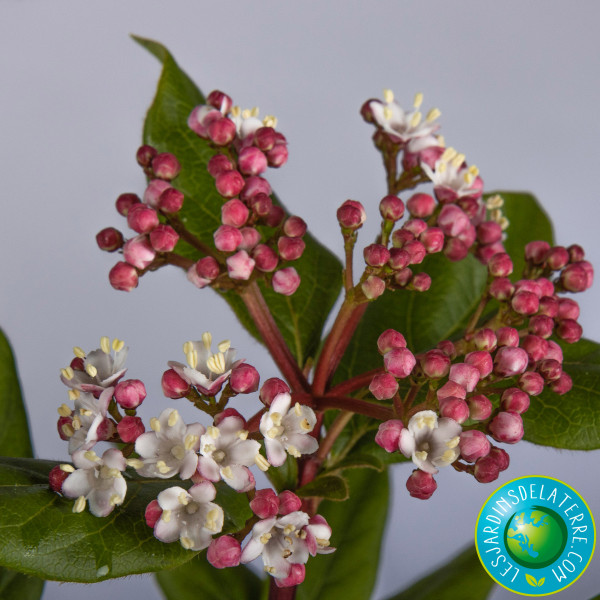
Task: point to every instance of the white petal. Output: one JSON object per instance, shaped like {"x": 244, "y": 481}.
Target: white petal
{"x": 275, "y": 452}
{"x": 78, "y": 483}
{"x": 281, "y": 404}
{"x": 169, "y": 499}
{"x": 208, "y": 468}
{"x": 203, "y": 492}
{"x": 188, "y": 465}
{"x": 304, "y": 443}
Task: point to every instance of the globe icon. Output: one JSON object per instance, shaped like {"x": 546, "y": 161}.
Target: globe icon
{"x": 535, "y": 537}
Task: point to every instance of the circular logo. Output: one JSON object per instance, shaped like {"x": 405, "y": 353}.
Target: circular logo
{"x": 535, "y": 535}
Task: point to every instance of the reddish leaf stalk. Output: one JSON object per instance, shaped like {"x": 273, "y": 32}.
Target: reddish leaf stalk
{"x": 376, "y": 411}
{"x": 354, "y": 383}
{"x": 277, "y": 593}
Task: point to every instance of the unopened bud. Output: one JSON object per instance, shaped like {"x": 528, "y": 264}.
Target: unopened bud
{"x": 473, "y": 445}
{"x": 399, "y": 362}
{"x": 351, "y": 215}
{"x": 123, "y": 276}
{"x": 125, "y": 202}
{"x": 514, "y": 400}
{"x": 229, "y": 184}
{"x": 285, "y": 281}
{"x": 391, "y": 208}
{"x": 130, "y": 428}
{"x": 138, "y": 252}
{"x": 165, "y": 166}
{"x": 383, "y": 386}
{"x": 164, "y": 238}
{"x": 142, "y": 218}
{"x": 145, "y": 154}
{"x": 421, "y": 485}
{"x": 244, "y": 379}
{"x": 265, "y": 503}
{"x": 240, "y": 265}
{"x": 507, "y": 427}
{"x": 290, "y": 248}
{"x": 173, "y": 385}
{"x": 224, "y": 551}
{"x": 388, "y": 435}
{"x": 109, "y": 239}
{"x": 130, "y": 393}
{"x": 271, "y": 388}
{"x": 251, "y": 161}
{"x": 170, "y": 201}
{"x": 222, "y": 131}
{"x": 421, "y": 205}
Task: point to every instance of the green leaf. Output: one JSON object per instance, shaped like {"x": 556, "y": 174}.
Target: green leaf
{"x": 284, "y": 477}
{"x": 571, "y": 421}
{"x": 531, "y": 580}
{"x": 424, "y": 318}
{"x": 350, "y": 572}
{"x": 527, "y": 222}
{"x": 463, "y": 577}
{"x": 331, "y": 487}
{"x": 198, "y": 579}
{"x": 14, "y": 433}
{"x": 300, "y": 317}
{"x": 17, "y": 586}
{"x": 42, "y": 536}
{"x": 358, "y": 460}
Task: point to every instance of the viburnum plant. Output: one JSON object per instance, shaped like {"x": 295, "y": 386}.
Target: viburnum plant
{"x": 456, "y": 337}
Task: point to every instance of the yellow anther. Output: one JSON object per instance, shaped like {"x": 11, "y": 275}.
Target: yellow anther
{"x": 67, "y": 468}
{"x": 302, "y": 535}
{"x": 208, "y": 448}
{"x": 261, "y": 462}
{"x": 270, "y": 121}
{"x": 155, "y": 424}
{"x": 274, "y": 432}
{"x": 449, "y": 456}
{"x": 242, "y": 434}
{"x": 67, "y": 373}
{"x": 473, "y": 170}
{"x": 441, "y": 140}
{"x": 496, "y": 214}
{"x": 173, "y": 418}
{"x": 254, "y": 112}
{"x": 415, "y": 119}
{"x": 298, "y": 409}
{"x": 224, "y": 346}
{"x": 458, "y": 160}
{"x": 322, "y": 542}
{"x": 78, "y": 352}
{"x": 246, "y": 113}
{"x": 68, "y": 430}
{"x": 453, "y": 442}
{"x": 115, "y": 500}
{"x": 188, "y": 347}
{"x": 269, "y": 570}
{"x": 162, "y": 467}
{"x": 288, "y": 540}
{"x": 73, "y": 395}
{"x": 91, "y": 455}
{"x": 304, "y": 424}
{"x": 183, "y": 498}
{"x": 187, "y": 542}
{"x": 64, "y": 410}
{"x": 421, "y": 455}
{"x": 448, "y": 154}
{"x": 79, "y": 505}
{"x": 207, "y": 339}
{"x": 418, "y": 100}
{"x": 213, "y": 514}
{"x": 289, "y": 529}
{"x": 190, "y": 441}
{"x": 388, "y": 96}
{"x": 118, "y": 345}
{"x": 213, "y": 431}
{"x": 91, "y": 370}
{"x": 387, "y": 113}
{"x": 216, "y": 363}
{"x": 276, "y": 418}
{"x": 136, "y": 463}
{"x": 441, "y": 167}
{"x": 293, "y": 451}
{"x": 178, "y": 452}
{"x": 286, "y": 553}
{"x": 105, "y": 344}
{"x": 504, "y": 223}
{"x": 166, "y": 516}
{"x": 192, "y": 358}
{"x": 191, "y": 508}
{"x": 265, "y": 537}
{"x": 433, "y": 114}
{"x": 227, "y": 472}
{"x": 86, "y": 412}
{"x": 235, "y": 111}
{"x": 114, "y": 473}
{"x": 76, "y": 422}
{"x": 494, "y": 202}
{"x": 468, "y": 178}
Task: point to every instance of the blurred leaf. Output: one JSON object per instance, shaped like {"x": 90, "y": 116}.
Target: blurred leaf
{"x": 14, "y": 433}
{"x": 330, "y": 487}
{"x": 571, "y": 421}
{"x": 463, "y": 578}
{"x": 358, "y": 524}
{"x": 199, "y": 580}
{"x": 42, "y": 536}
{"x": 300, "y": 317}
{"x": 356, "y": 460}
{"x": 17, "y": 586}
{"x": 284, "y": 477}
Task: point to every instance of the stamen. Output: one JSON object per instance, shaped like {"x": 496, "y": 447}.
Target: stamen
{"x": 216, "y": 363}
{"x": 261, "y": 462}
{"x": 91, "y": 370}
{"x": 246, "y": 113}
{"x": 166, "y": 516}
{"x": 64, "y": 411}
{"x": 105, "y": 344}
{"x": 504, "y": 223}
{"x": 117, "y": 345}
{"x": 86, "y": 412}
{"x": 115, "y": 500}
{"x": 178, "y": 452}
{"x": 155, "y": 424}
{"x": 76, "y": 422}
{"x": 190, "y": 441}
{"x": 91, "y": 455}
{"x": 494, "y": 202}
{"x": 173, "y": 418}
{"x": 208, "y": 448}
{"x": 242, "y": 434}
{"x": 421, "y": 455}
{"x": 269, "y": 570}
{"x": 453, "y": 442}
{"x": 227, "y": 472}
{"x": 183, "y": 499}
{"x": 218, "y": 455}
{"x": 235, "y": 111}
{"x": 274, "y": 432}
{"x": 67, "y": 373}
{"x": 78, "y": 352}
{"x": 387, "y": 113}
{"x": 448, "y": 154}
{"x": 289, "y": 529}
{"x": 265, "y": 537}
{"x": 473, "y": 170}
{"x": 286, "y": 553}
{"x": 418, "y": 100}
{"x": 68, "y": 430}
{"x": 322, "y": 542}
{"x": 388, "y": 96}
{"x": 73, "y": 395}
{"x": 294, "y": 451}
{"x": 458, "y": 160}
{"x": 79, "y": 505}
{"x": 449, "y": 456}
{"x": 162, "y": 467}
{"x": 254, "y": 112}
{"x": 289, "y": 540}
{"x": 304, "y": 424}
{"x": 276, "y": 418}
{"x": 212, "y": 514}
{"x": 67, "y": 468}
{"x": 213, "y": 432}
{"x": 207, "y": 339}
{"x": 186, "y": 542}
{"x": 270, "y": 121}
{"x": 298, "y": 409}
{"x": 188, "y": 347}
{"x": 433, "y": 114}
{"x": 468, "y": 178}
{"x": 191, "y": 508}
{"x": 192, "y": 358}
{"x": 136, "y": 463}
{"x": 415, "y": 119}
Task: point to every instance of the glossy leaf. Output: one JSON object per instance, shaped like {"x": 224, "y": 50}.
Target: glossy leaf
{"x": 571, "y": 421}
{"x": 350, "y": 572}
{"x": 463, "y": 578}
{"x": 14, "y": 433}
{"x": 330, "y": 487}
{"x": 198, "y": 579}
{"x": 300, "y": 317}
{"x": 42, "y": 536}
{"x": 284, "y": 477}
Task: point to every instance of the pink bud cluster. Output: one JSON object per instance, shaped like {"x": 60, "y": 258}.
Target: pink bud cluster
{"x": 246, "y": 147}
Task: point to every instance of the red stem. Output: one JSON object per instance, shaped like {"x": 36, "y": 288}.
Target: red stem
{"x": 370, "y": 409}
{"x": 277, "y": 593}
{"x": 354, "y": 383}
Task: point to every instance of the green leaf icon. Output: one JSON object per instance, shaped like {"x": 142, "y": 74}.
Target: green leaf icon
{"x": 531, "y": 580}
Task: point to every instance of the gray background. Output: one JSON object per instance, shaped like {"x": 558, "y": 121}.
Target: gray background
{"x": 517, "y": 86}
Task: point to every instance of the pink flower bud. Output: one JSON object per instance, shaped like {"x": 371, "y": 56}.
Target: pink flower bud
{"x": 507, "y": 336}
{"x": 373, "y": 287}
{"x": 109, "y": 239}
{"x": 250, "y": 238}
{"x": 234, "y": 212}
{"x": 260, "y": 204}
{"x": 170, "y": 201}
{"x": 290, "y": 248}
{"x": 285, "y": 281}
{"x": 138, "y": 252}
{"x": 390, "y": 339}
{"x": 421, "y": 205}
{"x": 130, "y": 428}
{"x": 125, "y": 202}
{"x": 454, "y": 408}
{"x": 223, "y": 552}
{"x": 383, "y": 386}
{"x": 502, "y": 289}
{"x": 416, "y": 250}
{"x": 229, "y": 183}
{"x": 485, "y": 252}
{"x": 164, "y": 238}
{"x": 432, "y": 239}
{"x": 473, "y": 445}
{"x": 275, "y": 217}
{"x": 130, "y": 393}
{"x": 557, "y": 257}
{"x": 554, "y": 351}
{"x": 244, "y": 379}
{"x": 240, "y": 265}
{"x": 208, "y": 268}
{"x": 482, "y": 361}
{"x": 415, "y": 226}
{"x": 507, "y": 427}
{"x": 500, "y": 265}
{"x": 510, "y": 361}
{"x": 388, "y": 435}
{"x": 265, "y": 503}
{"x": 123, "y": 277}
{"x": 144, "y": 155}
{"x": 576, "y": 277}
{"x": 531, "y": 383}
{"x": 541, "y": 325}
{"x": 200, "y": 119}
{"x": 548, "y": 306}
{"x": 152, "y": 513}
{"x": 486, "y": 469}
{"x": 195, "y": 279}
{"x": 56, "y": 478}
{"x": 399, "y": 259}
{"x": 455, "y": 250}
{"x": 549, "y": 369}
{"x": 227, "y": 238}
{"x": 501, "y": 457}
{"x": 294, "y": 227}
{"x": 165, "y": 166}
{"x": 529, "y": 285}
{"x": 467, "y": 237}
{"x": 525, "y": 303}
{"x": 264, "y": 138}
{"x": 351, "y": 215}
{"x": 289, "y": 502}
{"x": 435, "y": 364}
{"x": 569, "y": 330}
{"x": 452, "y": 220}
{"x": 277, "y": 155}
{"x": 376, "y": 255}
{"x": 567, "y": 309}
{"x": 218, "y": 164}
{"x": 485, "y": 339}
{"x": 251, "y": 161}
{"x": 106, "y": 430}
{"x": 222, "y": 131}
{"x": 514, "y": 400}
{"x": 295, "y": 576}
{"x": 480, "y": 407}
{"x": 400, "y": 237}
{"x": 220, "y": 100}
{"x": 562, "y": 385}
{"x": 64, "y": 426}
{"x": 271, "y": 388}
{"x": 576, "y": 253}
{"x": 451, "y": 389}
{"x": 154, "y": 190}
{"x": 465, "y": 375}
{"x": 399, "y": 362}
{"x": 142, "y": 218}
{"x": 391, "y": 208}
{"x": 535, "y": 252}
{"x": 266, "y": 259}
{"x": 489, "y": 232}
{"x": 421, "y": 485}
{"x": 255, "y": 185}
{"x": 173, "y": 385}
{"x": 448, "y": 348}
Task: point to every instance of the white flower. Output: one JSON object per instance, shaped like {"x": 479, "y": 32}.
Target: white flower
{"x": 286, "y": 428}
{"x": 281, "y": 541}
{"x": 205, "y": 370}
{"x": 168, "y": 449}
{"x": 189, "y": 516}
{"x": 247, "y": 121}
{"x": 102, "y": 368}
{"x": 429, "y": 441}
{"x": 97, "y": 480}
{"x": 318, "y": 533}
{"x": 227, "y": 454}
{"x": 406, "y": 127}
